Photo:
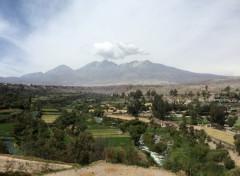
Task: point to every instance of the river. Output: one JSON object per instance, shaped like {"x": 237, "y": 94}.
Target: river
{"x": 156, "y": 157}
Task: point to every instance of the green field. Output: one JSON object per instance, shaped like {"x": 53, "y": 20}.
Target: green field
{"x": 8, "y": 111}
{"x": 112, "y": 135}
{"x": 5, "y": 128}
{"x": 237, "y": 123}
{"x": 5, "y": 115}
{"x": 50, "y": 110}
{"x": 67, "y": 107}
{"x": 51, "y": 113}
{"x": 49, "y": 118}
{"x": 119, "y": 141}
{"x": 107, "y": 132}
{"x": 47, "y": 107}
{"x": 188, "y": 120}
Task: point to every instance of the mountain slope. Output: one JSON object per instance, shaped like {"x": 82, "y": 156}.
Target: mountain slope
{"x": 109, "y": 73}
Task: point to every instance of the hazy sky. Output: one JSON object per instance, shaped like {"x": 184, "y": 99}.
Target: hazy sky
{"x": 195, "y": 35}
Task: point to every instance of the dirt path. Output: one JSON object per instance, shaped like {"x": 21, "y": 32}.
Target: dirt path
{"x": 235, "y": 157}
{"x": 103, "y": 169}
{"x": 222, "y": 136}
{"x": 11, "y": 163}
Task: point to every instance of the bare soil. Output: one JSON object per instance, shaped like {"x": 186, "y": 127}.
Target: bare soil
{"x": 11, "y": 163}
{"x": 108, "y": 169}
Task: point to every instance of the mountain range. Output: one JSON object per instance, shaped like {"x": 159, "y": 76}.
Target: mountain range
{"x": 109, "y": 73}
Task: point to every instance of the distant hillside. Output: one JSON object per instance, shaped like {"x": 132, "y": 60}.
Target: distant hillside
{"x": 108, "y": 73}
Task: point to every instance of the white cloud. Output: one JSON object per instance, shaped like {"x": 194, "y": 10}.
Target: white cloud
{"x": 199, "y": 36}
{"x": 117, "y": 50}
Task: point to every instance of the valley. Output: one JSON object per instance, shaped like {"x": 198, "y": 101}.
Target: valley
{"x": 73, "y": 125}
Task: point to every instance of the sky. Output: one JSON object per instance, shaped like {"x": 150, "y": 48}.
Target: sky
{"x": 198, "y": 36}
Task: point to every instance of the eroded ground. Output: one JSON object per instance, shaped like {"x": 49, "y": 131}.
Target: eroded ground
{"x": 108, "y": 169}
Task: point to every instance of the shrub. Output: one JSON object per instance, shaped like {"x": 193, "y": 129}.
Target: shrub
{"x": 231, "y": 120}
{"x": 229, "y": 163}
{"x": 233, "y": 172}
{"x": 159, "y": 147}
{"x": 217, "y": 155}
{"x": 209, "y": 139}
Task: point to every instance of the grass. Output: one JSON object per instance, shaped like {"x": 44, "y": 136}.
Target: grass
{"x": 126, "y": 117}
{"x": 188, "y": 119}
{"x": 5, "y": 115}
{"x": 50, "y": 118}
{"x": 67, "y": 107}
{"x": 220, "y": 135}
{"x": 50, "y": 110}
{"x": 237, "y": 123}
{"x": 67, "y": 138}
{"x": 99, "y": 130}
{"x": 113, "y": 135}
{"x": 8, "y": 111}
{"x": 118, "y": 141}
{"x": 108, "y": 132}
{"x": 47, "y": 107}
{"x": 5, "y": 128}
{"x": 51, "y": 113}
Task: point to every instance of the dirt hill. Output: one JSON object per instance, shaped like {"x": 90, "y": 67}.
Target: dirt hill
{"x": 108, "y": 169}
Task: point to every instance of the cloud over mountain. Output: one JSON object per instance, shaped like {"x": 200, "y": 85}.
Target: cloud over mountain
{"x": 117, "y": 50}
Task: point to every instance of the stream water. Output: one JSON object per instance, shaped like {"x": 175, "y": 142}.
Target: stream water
{"x": 156, "y": 157}
{"x": 10, "y": 145}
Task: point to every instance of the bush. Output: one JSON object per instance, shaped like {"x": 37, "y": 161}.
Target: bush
{"x": 229, "y": 163}
{"x": 159, "y": 147}
{"x": 217, "y": 155}
{"x": 14, "y": 174}
{"x": 233, "y": 172}
{"x": 219, "y": 146}
{"x": 127, "y": 155}
{"x": 3, "y": 147}
{"x": 231, "y": 121}
{"x": 209, "y": 139}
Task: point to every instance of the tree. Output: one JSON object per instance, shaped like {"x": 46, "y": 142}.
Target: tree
{"x": 190, "y": 94}
{"x": 153, "y": 93}
{"x": 227, "y": 89}
{"x": 217, "y": 114}
{"x": 229, "y": 163}
{"x": 160, "y": 107}
{"x": 148, "y": 94}
{"x": 134, "y": 108}
{"x": 98, "y": 112}
{"x": 206, "y": 88}
{"x": 231, "y": 120}
{"x": 237, "y": 142}
{"x": 80, "y": 149}
{"x": 136, "y": 95}
{"x": 174, "y": 92}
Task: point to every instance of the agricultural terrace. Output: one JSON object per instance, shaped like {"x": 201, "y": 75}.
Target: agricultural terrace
{"x": 218, "y": 134}
{"x": 237, "y": 123}
{"x": 5, "y": 128}
{"x": 5, "y": 115}
{"x": 127, "y": 117}
{"x": 49, "y": 113}
{"x": 113, "y": 135}
{"x": 50, "y": 118}
{"x": 8, "y": 111}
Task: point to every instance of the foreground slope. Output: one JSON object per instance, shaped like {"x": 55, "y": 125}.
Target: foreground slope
{"x": 108, "y": 169}
{"x": 10, "y": 163}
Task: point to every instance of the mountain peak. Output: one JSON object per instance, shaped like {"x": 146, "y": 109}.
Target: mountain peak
{"x": 139, "y": 63}
{"x": 109, "y": 73}
{"x": 63, "y": 67}
{"x": 60, "y": 69}
{"x": 104, "y": 63}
